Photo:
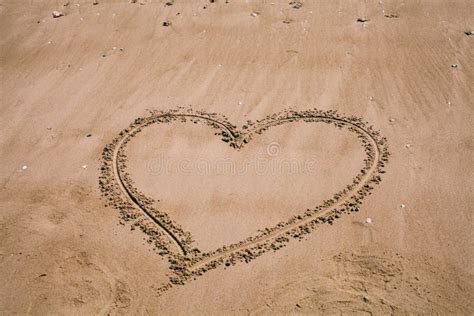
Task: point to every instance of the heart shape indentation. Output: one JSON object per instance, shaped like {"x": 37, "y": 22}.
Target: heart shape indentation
{"x": 176, "y": 244}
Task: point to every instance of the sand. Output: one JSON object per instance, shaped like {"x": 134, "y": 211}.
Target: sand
{"x": 188, "y": 240}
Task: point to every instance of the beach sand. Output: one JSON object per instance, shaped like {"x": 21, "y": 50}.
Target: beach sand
{"x": 71, "y": 84}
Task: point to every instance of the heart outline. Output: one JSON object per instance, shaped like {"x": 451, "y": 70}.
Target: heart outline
{"x": 117, "y": 187}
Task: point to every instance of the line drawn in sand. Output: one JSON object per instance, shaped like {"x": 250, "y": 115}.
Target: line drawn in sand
{"x": 168, "y": 237}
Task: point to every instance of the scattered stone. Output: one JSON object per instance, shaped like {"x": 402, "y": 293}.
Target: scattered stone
{"x": 95, "y": 2}
{"x": 368, "y": 220}
{"x": 392, "y": 16}
{"x": 84, "y": 166}
{"x": 287, "y": 21}
{"x": 454, "y": 66}
{"x": 402, "y": 205}
{"x": 408, "y": 146}
{"x": 254, "y": 14}
{"x": 169, "y": 3}
{"x": 362, "y": 20}
{"x": 469, "y": 33}
{"x": 24, "y": 167}
{"x": 296, "y": 4}
{"x": 56, "y": 14}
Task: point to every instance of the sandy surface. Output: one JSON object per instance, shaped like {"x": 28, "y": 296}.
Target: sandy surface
{"x": 69, "y": 85}
{"x": 242, "y": 191}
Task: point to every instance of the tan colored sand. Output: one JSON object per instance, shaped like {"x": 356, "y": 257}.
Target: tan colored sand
{"x": 62, "y": 251}
{"x": 213, "y": 190}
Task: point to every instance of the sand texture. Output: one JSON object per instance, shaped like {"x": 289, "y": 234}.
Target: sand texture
{"x": 236, "y": 157}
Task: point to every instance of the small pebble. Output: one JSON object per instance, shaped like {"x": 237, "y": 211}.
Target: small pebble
{"x": 392, "y": 16}
{"x": 296, "y": 4}
{"x": 57, "y": 14}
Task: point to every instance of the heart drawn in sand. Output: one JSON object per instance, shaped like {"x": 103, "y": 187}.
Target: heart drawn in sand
{"x": 172, "y": 241}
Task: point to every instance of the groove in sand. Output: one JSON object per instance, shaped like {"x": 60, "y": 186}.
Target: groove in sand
{"x": 186, "y": 261}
